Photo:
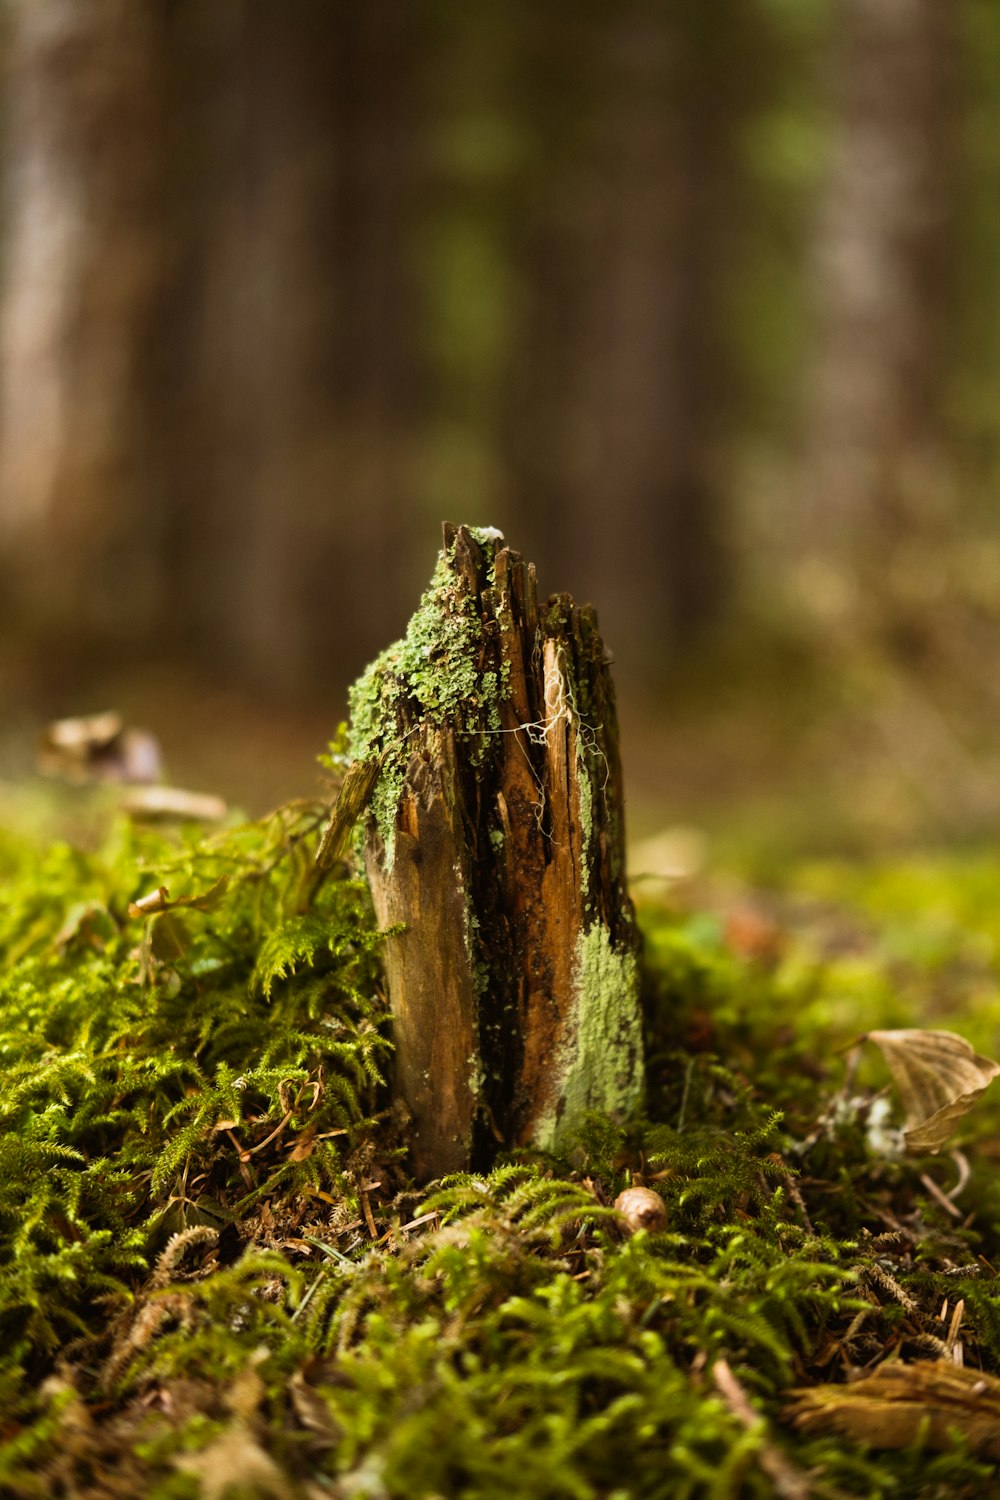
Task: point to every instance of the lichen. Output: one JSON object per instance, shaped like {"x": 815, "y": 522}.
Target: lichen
{"x": 598, "y": 1067}
{"x": 585, "y": 792}
{"x": 434, "y": 670}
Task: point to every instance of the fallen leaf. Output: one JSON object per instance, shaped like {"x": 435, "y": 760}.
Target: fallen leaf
{"x": 152, "y": 803}
{"x": 901, "y": 1404}
{"x": 86, "y": 732}
{"x": 87, "y": 922}
{"x": 312, "y": 1411}
{"x": 751, "y": 934}
{"x": 99, "y": 747}
{"x": 939, "y": 1078}
{"x": 234, "y": 1459}
{"x": 666, "y": 860}
{"x": 153, "y": 901}
{"x": 305, "y": 1145}
{"x": 159, "y": 900}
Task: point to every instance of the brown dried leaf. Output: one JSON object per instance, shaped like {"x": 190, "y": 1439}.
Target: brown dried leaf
{"x": 900, "y": 1404}
{"x": 234, "y": 1458}
{"x": 159, "y": 900}
{"x": 88, "y": 732}
{"x": 312, "y": 1411}
{"x": 752, "y": 934}
{"x": 87, "y": 922}
{"x": 99, "y": 747}
{"x": 153, "y": 803}
{"x": 305, "y": 1145}
{"x": 939, "y": 1079}
{"x": 154, "y": 901}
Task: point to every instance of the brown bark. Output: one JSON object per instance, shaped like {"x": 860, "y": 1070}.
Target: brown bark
{"x": 512, "y": 983}
{"x": 432, "y": 985}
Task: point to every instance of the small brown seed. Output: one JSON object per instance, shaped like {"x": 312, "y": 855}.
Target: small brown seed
{"x": 641, "y": 1208}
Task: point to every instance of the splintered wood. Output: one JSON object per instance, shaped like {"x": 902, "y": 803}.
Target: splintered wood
{"x": 494, "y": 843}
{"x": 932, "y": 1403}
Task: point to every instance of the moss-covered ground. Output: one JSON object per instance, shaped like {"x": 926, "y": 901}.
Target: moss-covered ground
{"x": 217, "y": 1279}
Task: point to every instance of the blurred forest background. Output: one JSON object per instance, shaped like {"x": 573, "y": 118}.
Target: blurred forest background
{"x": 698, "y": 302}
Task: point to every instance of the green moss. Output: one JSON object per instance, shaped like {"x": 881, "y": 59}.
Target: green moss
{"x": 503, "y": 1334}
{"x": 434, "y": 672}
{"x": 142, "y": 1055}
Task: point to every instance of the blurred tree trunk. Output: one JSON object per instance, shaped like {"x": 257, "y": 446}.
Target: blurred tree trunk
{"x": 298, "y": 400}
{"x": 622, "y": 398}
{"x": 472, "y": 66}
{"x": 84, "y": 263}
{"x": 882, "y": 265}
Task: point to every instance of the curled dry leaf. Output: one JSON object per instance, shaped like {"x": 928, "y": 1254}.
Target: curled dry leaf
{"x": 163, "y": 803}
{"x": 900, "y": 1404}
{"x": 305, "y": 1391}
{"x": 939, "y": 1079}
{"x": 234, "y": 1458}
{"x": 89, "y": 923}
{"x": 87, "y": 732}
{"x": 99, "y": 747}
{"x": 305, "y": 1145}
{"x": 152, "y": 902}
{"x": 159, "y": 900}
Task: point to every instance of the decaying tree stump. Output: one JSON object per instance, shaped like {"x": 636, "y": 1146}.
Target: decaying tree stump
{"x": 494, "y": 839}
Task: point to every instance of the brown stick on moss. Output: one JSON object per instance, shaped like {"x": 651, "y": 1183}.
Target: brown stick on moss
{"x": 495, "y": 837}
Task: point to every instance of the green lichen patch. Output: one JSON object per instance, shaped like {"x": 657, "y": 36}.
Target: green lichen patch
{"x": 436, "y": 674}
{"x": 585, "y": 792}
{"x": 598, "y": 1066}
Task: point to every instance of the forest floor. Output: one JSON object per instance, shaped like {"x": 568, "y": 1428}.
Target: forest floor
{"x": 216, "y": 1278}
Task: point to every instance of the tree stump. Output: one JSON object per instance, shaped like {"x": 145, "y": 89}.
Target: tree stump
{"x": 494, "y": 845}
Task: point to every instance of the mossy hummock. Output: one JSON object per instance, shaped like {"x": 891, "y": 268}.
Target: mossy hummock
{"x": 494, "y": 847}
{"x": 217, "y": 1276}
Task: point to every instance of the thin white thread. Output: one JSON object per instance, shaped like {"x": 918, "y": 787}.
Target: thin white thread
{"x": 537, "y": 733}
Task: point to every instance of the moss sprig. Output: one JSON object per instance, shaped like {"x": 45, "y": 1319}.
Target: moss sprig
{"x": 213, "y": 1270}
